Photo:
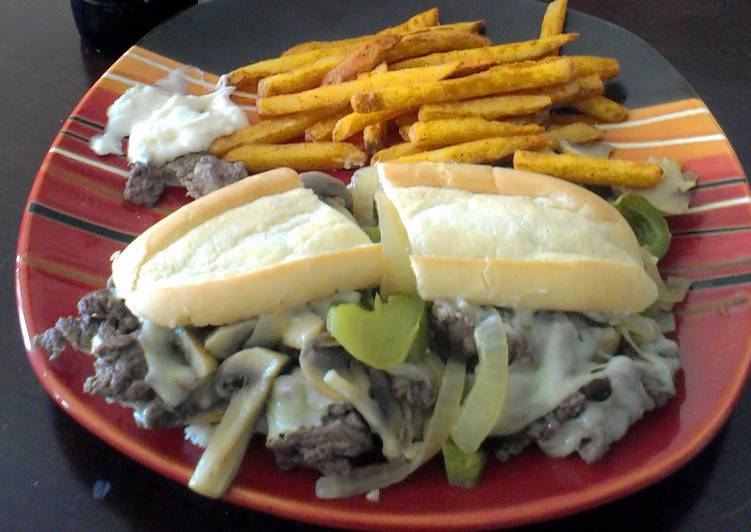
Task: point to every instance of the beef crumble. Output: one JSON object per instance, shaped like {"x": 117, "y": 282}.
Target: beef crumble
{"x": 199, "y": 173}
{"x": 328, "y": 447}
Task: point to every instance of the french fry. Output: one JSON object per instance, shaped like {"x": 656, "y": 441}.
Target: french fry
{"x": 590, "y": 170}
{"x": 576, "y": 132}
{"x": 489, "y": 108}
{"x": 428, "y": 42}
{"x": 406, "y": 119}
{"x": 541, "y": 117}
{"x": 475, "y": 26}
{"x": 363, "y": 59}
{"x": 341, "y": 93}
{"x": 394, "y": 152}
{"x": 439, "y": 133}
{"x": 480, "y": 151}
{"x": 374, "y": 137}
{"x": 602, "y": 108}
{"x": 299, "y": 79}
{"x": 554, "y": 19}
{"x": 558, "y": 94}
{"x": 566, "y": 118}
{"x": 271, "y": 131}
{"x": 247, "y": 77}
{"x": 404, "y": 132}
{"x": 501, "y": 53}
{"x": 353, "y": 123}
{"x": 586, "y": 65}
{"x": 499, "y": 79}
{"x": 422, "y": 20}
{"x": 301, "y": 156}
{"x": 575, "y": 90}
{"x": 321, "y": 131}
{"x": 589, "y": 87}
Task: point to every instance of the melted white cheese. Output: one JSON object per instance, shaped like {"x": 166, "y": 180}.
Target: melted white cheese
{"x": 294, "y": 403}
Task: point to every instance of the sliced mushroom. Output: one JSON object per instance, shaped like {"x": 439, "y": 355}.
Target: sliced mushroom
{"x": 227, "y": 339}
{"x": 257, "y": 368}
{"x": 301, "y": 325}
{"x": 195, "y": 353}
{"x": 168, "y": 374}
{"x": 315, "y": 361}
{"x": 326, "y": 186}
{"x": 268, "y": 330}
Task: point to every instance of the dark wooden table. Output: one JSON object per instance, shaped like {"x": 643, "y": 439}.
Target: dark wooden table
{"x": 49, "y": 465}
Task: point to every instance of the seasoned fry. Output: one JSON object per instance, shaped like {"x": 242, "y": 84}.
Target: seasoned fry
{"x": 247, "y": 77}
{"x": 428, "y": 42}
{"x": 480, "y": 151}
{"x": 554, "y": 19}
{"x": 501, "y": 53}
{"x": 575, "y": 90}
{"x": 489, "y": 108}
{"x": 475, "y": 26}
{"x": 404, "y": 132}
{"x": 602, "y": 108}
{"x": 440, "y": 133}
{"x": 394, "y": 152}
{"x": 586, "y": 65}
{"x": 341, "y": 93}
{"x": 406, "y": 119}
{"x": 422, "y": 20}
{"x": 500, "y": 79}
{"x": 353, "y": 123}
{"x": 280, "y": 129}
{"x": 363, "y": 59}
{"x": 302, "y": 156}
{"x": 374, "y": 137}
{"x": 321, "y": 131}
{"x": 566, "y": 118}
{"x": 590, "y": 170}
{"x": 576, "y": 132}
{"x": 297, "y": 80}
{"x": 589, "y": 87}
{"x": 541, "y": 117}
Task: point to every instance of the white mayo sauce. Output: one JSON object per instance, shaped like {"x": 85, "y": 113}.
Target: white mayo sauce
{"x": 162, "y": 126}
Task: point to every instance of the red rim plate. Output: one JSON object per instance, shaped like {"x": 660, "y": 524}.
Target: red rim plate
{"x": 75, "y": 219}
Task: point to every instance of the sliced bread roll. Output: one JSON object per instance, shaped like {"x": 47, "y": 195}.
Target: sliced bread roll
{"x": 261, "y": 245}
{"x": 516, "y": 239}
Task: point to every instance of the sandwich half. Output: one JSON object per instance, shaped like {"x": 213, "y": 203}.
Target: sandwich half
{"x": 499, "y": 309}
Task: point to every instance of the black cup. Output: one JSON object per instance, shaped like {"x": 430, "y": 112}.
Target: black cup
{"x": 111, "y": 26}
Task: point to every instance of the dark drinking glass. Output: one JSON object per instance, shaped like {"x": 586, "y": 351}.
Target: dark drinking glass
{"x": 111, "y": 26}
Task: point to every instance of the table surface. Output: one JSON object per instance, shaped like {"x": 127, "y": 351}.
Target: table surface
{"x": 49, "y": 464}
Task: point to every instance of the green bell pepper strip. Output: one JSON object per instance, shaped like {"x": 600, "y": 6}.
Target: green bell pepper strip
{"x": 649, "y": 226}
{"x": 383, "y": 338}
{"x": 462, "y": 469}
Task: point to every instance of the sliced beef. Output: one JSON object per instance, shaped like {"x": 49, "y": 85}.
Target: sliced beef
{"x": 120, "y": 365}
{"x": 342, "y": 435}
{"x": 120, "y": 368}
{"x": 145, "y": 184}
{"x": 179, "y": 169}
{"x": 199, "y": 173}
{"x": 542, "y": 428}
{"x": 211, "y": 173}
{"x": 419, "y": 393}
{"x": 453, "y": 326}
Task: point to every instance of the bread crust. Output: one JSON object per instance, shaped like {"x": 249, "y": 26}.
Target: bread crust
{"x": 575, "y": 276}
{"x": 347, "y": 260}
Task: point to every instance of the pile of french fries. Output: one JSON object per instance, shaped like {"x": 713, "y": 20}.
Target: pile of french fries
{"x": 425, "y": 91}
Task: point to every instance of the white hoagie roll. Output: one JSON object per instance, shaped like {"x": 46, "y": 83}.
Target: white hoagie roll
{"x": 261, "y": 245}
{"x": 516, "y": 239}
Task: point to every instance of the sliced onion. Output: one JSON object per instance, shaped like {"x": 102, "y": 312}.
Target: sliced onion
{"x": 377, "y": 476}
{"x": 485, "y": 400}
